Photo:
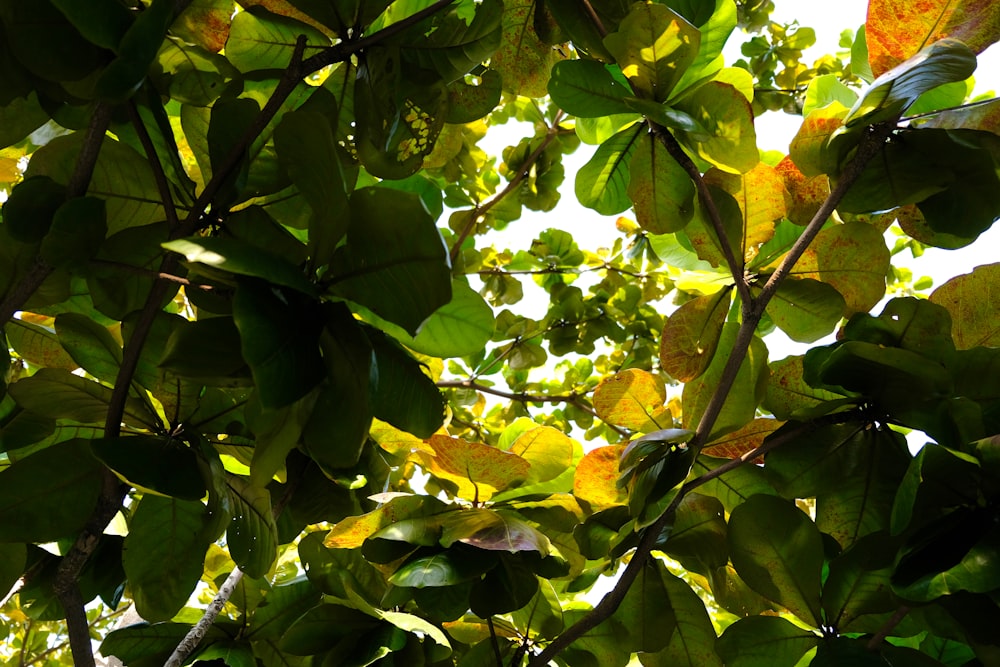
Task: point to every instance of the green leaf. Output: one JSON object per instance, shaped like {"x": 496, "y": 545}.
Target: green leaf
{"x": 691, "y": 335}
{"x": 140, "y": 641}
{"x": 764, "y": 641}
{"x": 446, "y": 568}
{"x": 507, "y": 587}
{"x": 49, "y": 495}
{"x": 523, "y": 60}
{"x": 279, "y": 335}
{"x": 725, "y": 115}
{"x": 90, "y": 345}
{"x": 943, "y": 61}
{"x": 858, "y": 585}
{"x": 48, "y": 44}
{"x": 164, "y": 553}
{"x": 805, "y": 309}
{"x": 321, "y": 628}
{"x": 13, "y": 558}
{"x": 77, "y": 232}
{"x": 602, "y": 183}
{"x": 459, "y": 328}
{"x": 654, "y": 46}
{"x": 262, "y": 40}
{"x": 155, "y": 463}
{"x": 587, "y": 89}
{"x": 693, "y": 641}
{"x": 403, "y": 394}
{"x": 394, "y": 261}
{"x": 122, "y": 178}
{"x": 277, "y": 431}
{"x": 455, "y": 45}
{"x": 103, "y": 22}
{"x": 647, "y": 611}
{"x": 137, "y": 247}
{"x": 337, "y": 429}
{"x": 467, "y": 103}
{"x": 543, "y": 616}
{"x": 57, "y": 393}
{"x": 209, "y": 350}
{"x": 698, "y": 536}
{"x": 661, "y": 191}
{"x": 778, "y": 551}
{"x": 252, "y": 534}
{"x": 285, "y": 604}
{"x": 241, "y": 258}
{"x": 971, "y": 303}
{"x": 748, "y": 388}
{"x": 307, "y": 151}
{"x": 825, "y": 89}
{"x": 736, "y": 486}
{"x": 136, "y": 52}
{"x": 29, "y": 211}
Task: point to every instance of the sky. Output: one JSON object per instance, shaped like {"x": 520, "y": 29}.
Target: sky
{"x": 774, "y": 131}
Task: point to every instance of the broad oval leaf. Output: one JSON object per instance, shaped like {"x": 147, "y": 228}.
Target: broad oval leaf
{"x": 476, "y": 469}
{"x": 778, "y": 552}
{"x": 972, "y": 302}
{"x": 596, "y": 478}
{"x": 49, "y": 495}
{"x": 853, "y": 259}
{"x": 492, "y": 530}
{"x": 587, "y": 89}
{"x": 160, "y": 464}
{"x": 726, "y": 116}
{"x": 806, "y": 310}
{"x": 764, "y": 641}
{"x": 601, "y": 184}
{"x": 897, "y": 29}
{"x": 634, "y": 399}
{"x": 164, "y": 554}
{"x": 262, "y": 40}
{"x": 241, "y": 258}
{"x": 394, "y": 261}
{"x": 661, "y": 191}
{"x": 252, "y": 535}
{"x": 654, "y": 46}
{"x": 691, "y": 335}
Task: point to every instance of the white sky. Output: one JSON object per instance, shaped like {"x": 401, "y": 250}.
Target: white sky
{"x": 774, "y": 131}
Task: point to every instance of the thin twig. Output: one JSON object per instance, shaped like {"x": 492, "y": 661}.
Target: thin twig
{"x": 480, "y": 210}
{"x": 159, "y": 177}
{"x": 521, "y": 397}
{"x": 150, "y": 273}
{"x": 594, "y": 18}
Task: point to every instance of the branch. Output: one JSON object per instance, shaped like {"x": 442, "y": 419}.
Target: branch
{"x": 150, "y": 273}
{"x": 344, "y": 50}
{"x": 876, "y": 641}
{"x": 77, "y": 186}
{"x": 198, "y": 632}
{"x": 522, "y": 173}
{"x": 522, "y": 397}
{"x": 162, "y": 185}
{"x": 736, "y": 265}
{"x": 752, "y": 312}
{"x": 290, "y": 78}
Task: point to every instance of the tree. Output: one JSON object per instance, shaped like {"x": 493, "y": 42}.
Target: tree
{"x": 251, "y": 393}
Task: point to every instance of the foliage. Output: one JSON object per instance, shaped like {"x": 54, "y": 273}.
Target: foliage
{"x": 261, "y": 350}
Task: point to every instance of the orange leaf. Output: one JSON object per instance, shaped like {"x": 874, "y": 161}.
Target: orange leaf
{"x": 206, "y": 23}
{"x": 691, "y": 335}
{"x": 806, "y": 194}
{"x": 750, "y": 437}
{"x": 596, "y": 478}
{"x": 897, "y": 29}
{"x": 633, "y": 399}
{"x": 477, "y": 470}
{"x": 763, "y": 201}
{"x": 354, "y": 530}
{"x": 853, "y": 259}
{"x": 807, "y": 148}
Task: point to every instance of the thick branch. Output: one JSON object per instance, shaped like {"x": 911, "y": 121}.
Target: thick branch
{"x": 752, "y": 312}
{"x": 876, "y": 641}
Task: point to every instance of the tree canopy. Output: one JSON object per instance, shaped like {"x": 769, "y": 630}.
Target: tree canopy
{"x": 276, "y": 388}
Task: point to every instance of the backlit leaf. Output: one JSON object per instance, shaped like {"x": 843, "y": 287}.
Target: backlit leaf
{"x": 788, "y": 392}
{"x": 596, "y": 477}
{"x": 633, "y": 399}
{"x": 778, "y": 551}
{"x": 478, "y": 470}
{"x": 162, "y": 465}
{"x": 692, "y": 643}
{"x": 164, "y": 553}
{"x": 523, "y": 60}
{"x": 252, "y": 534}
{"x": 764, "y": 641}
{"x": 853, "y": 259}
{"x": 661, "y": 191}
{"x": 261, "y": 40}
{"x": 602, "y": 183}
{"x": 972, "y": 302}
{"x": 727, "y": 117}
{"x": 654, "y": 46}
{"x": 691, "y": 335}
{"x": 549, "y": 451}
{"x": 896, "y": 29}
{"x": 806, "y": 310}
{"x": 492, "y": 530}
{"x": 587, "y": 89}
